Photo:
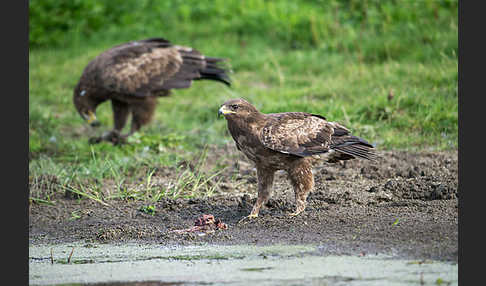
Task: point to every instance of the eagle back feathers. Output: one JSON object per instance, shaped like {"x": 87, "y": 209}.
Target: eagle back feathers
{"x": 297, "y": 133}
{"x": 304, "y": 134}
{"x": 144, "y": 68}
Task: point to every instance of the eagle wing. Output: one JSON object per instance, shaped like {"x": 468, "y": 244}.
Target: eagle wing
{"x": 141, "y": 68}
{"x": 297, "y": 133}
{"x": 304, "y": 134}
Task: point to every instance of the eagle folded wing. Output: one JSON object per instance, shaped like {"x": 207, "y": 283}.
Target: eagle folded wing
{"x": 297, "y": 133}
{"x": 141, "y": 69}
{"x": 195, "y": 66}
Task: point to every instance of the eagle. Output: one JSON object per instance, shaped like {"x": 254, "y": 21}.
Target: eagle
{"x": 133, "y": 75}
{"x": 290, "y": 141}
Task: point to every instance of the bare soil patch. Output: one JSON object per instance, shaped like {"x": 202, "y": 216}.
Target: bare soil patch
{"x": 406, "y": 205}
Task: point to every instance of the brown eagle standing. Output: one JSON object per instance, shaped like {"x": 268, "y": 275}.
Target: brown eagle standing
{"x": 287, "y": 141}
{"x": 133, "y": 75}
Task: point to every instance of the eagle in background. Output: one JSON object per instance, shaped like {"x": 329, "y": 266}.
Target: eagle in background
{"x": 133, "y": 75}
{"x": 287, "y": 141}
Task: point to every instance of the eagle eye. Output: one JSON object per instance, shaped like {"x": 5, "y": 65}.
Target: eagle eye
{"x": 234, "y": 107}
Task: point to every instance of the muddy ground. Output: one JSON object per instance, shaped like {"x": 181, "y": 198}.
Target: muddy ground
{"x": 405, "y": 205}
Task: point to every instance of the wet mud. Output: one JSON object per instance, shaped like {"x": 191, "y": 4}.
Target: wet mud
{"x": 143, "y": 264}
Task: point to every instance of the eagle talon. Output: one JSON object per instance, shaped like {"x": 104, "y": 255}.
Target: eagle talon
{"x": 119, "y": 141}
{"x": 296, "y": 213}
{"x": 251, "y": 216}
{"x": 114, "y": 137}
{"x": 110, "y": 136}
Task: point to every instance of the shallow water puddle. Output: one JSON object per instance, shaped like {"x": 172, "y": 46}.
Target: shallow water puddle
{"x": 228, "y": 265}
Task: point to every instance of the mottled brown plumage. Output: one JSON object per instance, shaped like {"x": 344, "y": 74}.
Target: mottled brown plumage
{"x": 133, "y": 75}
{"x": 288, "y": 141}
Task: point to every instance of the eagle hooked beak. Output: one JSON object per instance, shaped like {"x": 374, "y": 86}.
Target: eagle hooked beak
{"x": 91, "y": 119}
{"x": 224, "y": 110}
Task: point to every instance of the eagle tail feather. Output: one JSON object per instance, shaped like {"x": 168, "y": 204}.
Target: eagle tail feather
{"x": 217, "y": 77}
{"x": 214, "y": 72}
{"x": 356, "y": 147}
{"x": 156, "y": 40}
{"x": 357, "y": 150}
{"x": 214, "y": 60}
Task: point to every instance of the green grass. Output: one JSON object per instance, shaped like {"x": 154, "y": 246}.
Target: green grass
{"x": 341, "y": 61}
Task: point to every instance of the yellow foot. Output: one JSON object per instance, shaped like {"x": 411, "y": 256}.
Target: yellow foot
{"x": 295, "y": 213}
{"x": 251, "y": 216}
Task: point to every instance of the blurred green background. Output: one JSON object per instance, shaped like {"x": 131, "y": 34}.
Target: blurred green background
{"x": 385, "y": 69}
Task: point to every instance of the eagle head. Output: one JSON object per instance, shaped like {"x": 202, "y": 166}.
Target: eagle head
{"x": 85, "y": 105}
{"x": 237, "y": 108}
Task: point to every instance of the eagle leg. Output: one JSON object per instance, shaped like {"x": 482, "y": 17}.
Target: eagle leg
{"x": 265, "y": 182}
{"x": 121, "y": 110}
{"x": 142, "y": 113}
{"x": 300, "y": 174}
